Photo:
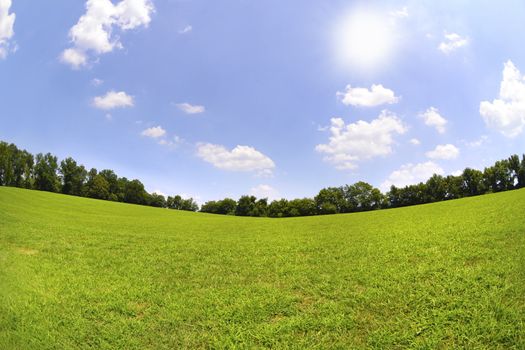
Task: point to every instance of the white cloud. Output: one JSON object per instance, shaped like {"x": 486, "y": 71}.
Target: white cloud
{"x": 97, "y": 82}
{"x": 112, "y": 100}
{"x": 186, "y": 29}
{"x": 432, "y": 118}
{"x": 352, "y": 143}
{"x": 7, "y": 23}
{"x": 447, "y": 152}
{"x": 172, "y": 143}
{"x": 363, "y": 97}
{"x": 94, "y": 30}
{"x": 400, "y": 13}
{"x": 74, "y": 57}
{"x": 265, "y": 191}
{"x": 507, "y": 113}
{"x": 415, "y": 142}
{"x": 241, "y": 158}
{"x": 452, "y": 42}
{"x": 479, "y": 142}
{"x": 154, "y": 132}
{"x": 190, "y": 109}
{"x": 410, "y": 174}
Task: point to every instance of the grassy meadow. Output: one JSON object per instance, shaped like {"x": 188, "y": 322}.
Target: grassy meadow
{"x": 78, "y": 273}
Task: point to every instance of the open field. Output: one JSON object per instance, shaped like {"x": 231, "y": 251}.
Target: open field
{"x": 82, "y": 273}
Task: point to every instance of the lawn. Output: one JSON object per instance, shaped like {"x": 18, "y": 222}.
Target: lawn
{"x": 77, "y": 273}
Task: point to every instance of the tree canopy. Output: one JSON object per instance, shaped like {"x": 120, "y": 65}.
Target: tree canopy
{"x": 19, "y": 168}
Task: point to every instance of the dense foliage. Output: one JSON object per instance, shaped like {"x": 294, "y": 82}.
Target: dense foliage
{"x": 504, "y": 175}
{"x": 18, "y": 168}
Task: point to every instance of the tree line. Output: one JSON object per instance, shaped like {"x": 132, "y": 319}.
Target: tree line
{"x": 19, "y": 168}
{"x": 504, "y": 175}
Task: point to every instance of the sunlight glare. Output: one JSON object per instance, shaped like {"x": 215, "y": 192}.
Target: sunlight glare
{"x": 365, "y": 40}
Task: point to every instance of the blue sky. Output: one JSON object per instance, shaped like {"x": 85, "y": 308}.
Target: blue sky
{"x": 276, "y": 98}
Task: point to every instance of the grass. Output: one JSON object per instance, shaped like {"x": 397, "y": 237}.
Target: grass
{"x": 77, "y": 273}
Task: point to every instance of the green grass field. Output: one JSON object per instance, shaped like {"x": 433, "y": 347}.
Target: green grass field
{"x": 81, "y": 273}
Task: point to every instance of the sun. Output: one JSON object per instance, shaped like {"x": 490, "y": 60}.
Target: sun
{"x": 365, "y": 39}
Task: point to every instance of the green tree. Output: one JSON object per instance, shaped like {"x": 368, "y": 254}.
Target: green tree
{"x": 453, "y": 185}
{"x": 499, "y": 176}
{"x": 226, "y": 206}
{"x": 122, "y": 185}
{"x": 261, "y": 208}
{"x": 6, "y": 164}
{"x": 279, "y": 208}
{"x": 245, "y": 206}
{"x": 96, "y": 186}
{"x": 16, "y": 166}
{"x": 115, "y": 191}
{"x": 362, "y": 196}
{"x": 174, "y": 202}
{"x": 472, "y": 184}
{"x": 302, "y": 207}
{"x": 134, "y": 192}
{"x": 436, "y": 188}
{"x": 157, "y": 200}
{"x": 521, "y": 173}
{"x": 73, "y": 177}
{"x": 331, "y": 201}
{"x": 513, "y": 164}
{"x": 46, "y": 178}
{"x": 189, "y": 204}
{"x": 208, "y": 207}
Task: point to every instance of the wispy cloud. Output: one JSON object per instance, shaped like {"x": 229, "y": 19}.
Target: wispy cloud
{"x": 190, "y": 109}
{"x": 112, "y": 100}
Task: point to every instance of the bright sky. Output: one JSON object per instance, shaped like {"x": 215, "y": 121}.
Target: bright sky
{"x": 275, "y": 98}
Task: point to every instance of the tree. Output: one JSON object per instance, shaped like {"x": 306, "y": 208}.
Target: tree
{"x": 393, "y": 197}
{"x": 330, "y": 201}
{"x": 261, "y": 208}
{"x": 279, "y": 208}
{"x": 46, "y": 178}
{"x": 174, "y": 202}
{"x": 302, "y": 207}
{"x": 521, "y": 173}
{"x": 412, "y": 195}
{"x": 189, "y": 204}
{"x": 134, "y": 192}
{"x": 498, "y": 177}
{"x": 226, "y": 206}
{"x": 504, "y": 174}
{"x": 115, "y": 190}
{"x": 453, "y": 186}
{"x": 472, "y": 182}
{"x": 362, "y": 196}
{"x": 6, "y": 164}
{"x": 16, "y": 166}
{"x": 26, "y": 167}
{"x": 513, "y": 164}
{"x": 157, "y": 200}
{"x": 122, "y": 185}
{"x": 436, "y": 188}
{"x": 210, "y": 207}
{"x": 245, "y": 206}
{"x": 73, "y": 177}
{"x": 22, "y": 164}
{"x": 96, "y": 186}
